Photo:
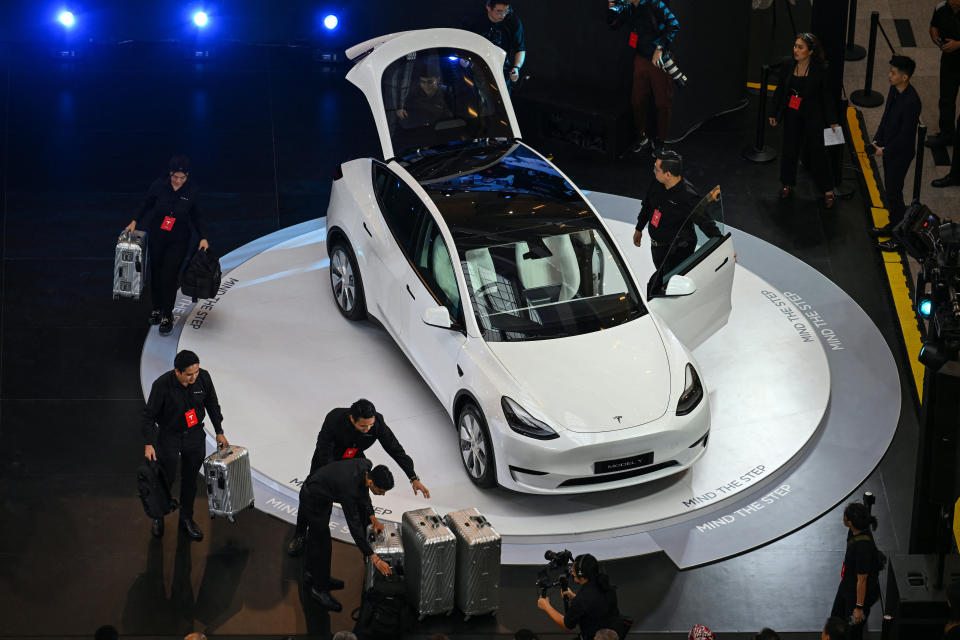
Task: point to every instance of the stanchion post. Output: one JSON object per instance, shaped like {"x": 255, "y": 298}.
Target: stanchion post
{"x": 867, "y": 97}
{"x": 918, "y": 163}
{"x": 853, "y": 51}
{"x": 760, "y": 152}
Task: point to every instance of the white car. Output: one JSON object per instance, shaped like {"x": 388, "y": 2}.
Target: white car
{"x": 501, "y": 284}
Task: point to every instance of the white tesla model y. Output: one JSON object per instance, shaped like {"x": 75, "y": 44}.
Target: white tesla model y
{"x": 502, "y": 285}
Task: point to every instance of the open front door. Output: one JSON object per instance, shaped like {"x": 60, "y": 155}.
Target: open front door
{"x": 432, "y": 89}
{"x": 692, "y": 290}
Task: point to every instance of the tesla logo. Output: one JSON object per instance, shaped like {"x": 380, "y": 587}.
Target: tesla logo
{"x": 619, "y": 419}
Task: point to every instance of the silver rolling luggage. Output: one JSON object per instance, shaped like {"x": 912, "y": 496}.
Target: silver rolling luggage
{"x": 430, "y": 550}
{"x": 388, "y": 546}
{"x": 229, "y": 481}
{"x": 477, "y": 589}
{"x": 129, "y": 265}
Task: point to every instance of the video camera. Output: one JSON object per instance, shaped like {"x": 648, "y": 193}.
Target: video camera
{"x": 935, "y": 244}
{"x": 618, "y": 12}
{"x": 556, "y": 573}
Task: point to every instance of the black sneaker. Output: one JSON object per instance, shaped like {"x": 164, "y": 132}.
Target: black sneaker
{"x": 166, "y": 325}
{"x": 154, "y": 317}
{"x": 642, "y": 142}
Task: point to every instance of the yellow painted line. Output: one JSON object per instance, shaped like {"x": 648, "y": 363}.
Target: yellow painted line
{"x": 893, "y": 263}
{"x": 756, "y": 85}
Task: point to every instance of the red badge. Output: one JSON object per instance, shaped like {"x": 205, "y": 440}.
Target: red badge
{"x": 633, "y": 40}
{"x": 655, "y": 220}
{"x": 349, "y": 453}
{"x": 167, "y": 224}
{"x": 191, "y": 417}
{"x": 795, "y": 102}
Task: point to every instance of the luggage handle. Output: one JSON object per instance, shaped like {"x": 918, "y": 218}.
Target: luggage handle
{"x": 222, "y": 451}
{"x": 480, "y": 521}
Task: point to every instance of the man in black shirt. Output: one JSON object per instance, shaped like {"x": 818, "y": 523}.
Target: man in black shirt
{"x": 594, "y": 607}
{"x": 859, "y": 577}
{"x": 503, "y": 28}
{"x": 349, "y": 483}
{"x": 179, "y": 401}
{"x": 667, "y": 209}
{"x": 345, "y": 434}
{"x": 945, "y": 33}
{"x": 895, "y": 141}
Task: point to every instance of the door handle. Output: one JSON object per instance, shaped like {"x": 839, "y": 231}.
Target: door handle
{"x": 411, "y": 293}
{"x": 725, "y": 261}
{"x": 367, "y": 229}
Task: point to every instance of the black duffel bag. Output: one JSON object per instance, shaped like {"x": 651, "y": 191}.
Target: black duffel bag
{"x": 201, "y": 280}
{"x": 154, "y": 490}
{"x": 383, "y": 613}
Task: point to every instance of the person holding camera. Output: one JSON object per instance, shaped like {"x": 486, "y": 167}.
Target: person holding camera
{"x": 803, "y": 103}
{"x": 501, "y": 26}
{"x": 859, "y": 576}
{"x": 652, "y": 28}
{"x": 594, "y": 607}
{"x": 894, "y": 142}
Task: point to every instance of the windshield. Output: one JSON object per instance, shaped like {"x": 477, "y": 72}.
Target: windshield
{"x": 441, "y": 96}
{"x": 548, "y": 282}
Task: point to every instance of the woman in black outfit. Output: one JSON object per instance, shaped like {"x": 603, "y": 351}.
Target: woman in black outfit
{"x": 169, "y": 214}
{"x": 594, "y": 608}
{"x": 803, "y": 103}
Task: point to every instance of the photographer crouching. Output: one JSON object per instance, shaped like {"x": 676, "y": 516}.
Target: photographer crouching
{"x": 594, "y": 608}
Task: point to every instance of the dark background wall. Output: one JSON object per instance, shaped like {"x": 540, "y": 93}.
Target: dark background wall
{"x": 570, "y": 46}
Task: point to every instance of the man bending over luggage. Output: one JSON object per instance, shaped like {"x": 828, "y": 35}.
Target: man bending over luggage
{"x": 178, "y": 403}
{"x": 347, "y": 433}
{"x": 348, "y": 482}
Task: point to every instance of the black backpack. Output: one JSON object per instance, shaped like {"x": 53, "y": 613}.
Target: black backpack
{"x": 383, "y": 612}
{"x": 201, "y": 280}
{"x": 154, "y": 490}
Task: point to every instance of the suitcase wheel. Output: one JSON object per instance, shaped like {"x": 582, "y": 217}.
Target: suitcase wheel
{"x": 466, "y": 618}
{"x": 116, "y": 296}
{"x": 232, "y": 519}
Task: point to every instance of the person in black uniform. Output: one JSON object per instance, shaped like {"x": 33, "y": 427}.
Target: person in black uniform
{"x": 666, "y": 211}
{"x": 594, "y": 607}
{"x": 503, "y": 28}
{"x": 895, "y": 141}
{"x": 803, "y": 103}
{"x": 945, "y": 33}
{"x": 859, "y": 577}
{"x": 169, "y": 214}
{"x": 178, "y": 403}
{"x": 345, "y": 434}
{"x": 349, "y": 483}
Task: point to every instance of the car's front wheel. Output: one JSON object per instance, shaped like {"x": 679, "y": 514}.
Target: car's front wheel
{"x": 345, "y": 281}
{"x": 476, "y": 448}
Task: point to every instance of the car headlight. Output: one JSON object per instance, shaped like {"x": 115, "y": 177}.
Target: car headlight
{"x": 524, "y": 423}
{"x": 692, "y": 392}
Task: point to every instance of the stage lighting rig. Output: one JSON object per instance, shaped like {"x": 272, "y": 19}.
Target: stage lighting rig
{"x": 201, "y": 19}
{"x": 331, "y": 22}
{"x": 64, "y": 47}
{"x": 67, "y": 19}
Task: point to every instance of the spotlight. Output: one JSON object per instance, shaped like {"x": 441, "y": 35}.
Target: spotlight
{"x": 330, "y": 22}
{"x": 925, "y": 307}
{"x": 67, "y": 19}
{"x": 201, "y": 19}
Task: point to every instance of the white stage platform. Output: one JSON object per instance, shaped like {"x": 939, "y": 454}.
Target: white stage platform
{"x": 281, "y": 356}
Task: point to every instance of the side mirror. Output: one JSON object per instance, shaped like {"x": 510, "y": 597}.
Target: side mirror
{"x": 437, "y": 317}
{"x": 680, "y": 286}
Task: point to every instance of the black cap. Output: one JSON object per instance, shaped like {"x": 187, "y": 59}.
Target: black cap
{"x": 179, "y": 164}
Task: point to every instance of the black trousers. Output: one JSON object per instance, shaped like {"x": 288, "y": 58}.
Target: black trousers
{"x": 949, "y": 86}
{"x": 670, "y": 262}
{"x": 843, "y": 605}
{"x": 802, "y": 137}
{"x": 188, "y": 449}
{"x": 894, "y": 175}
{"x": 318, "y": 547}
{"x": 166, "y": 259}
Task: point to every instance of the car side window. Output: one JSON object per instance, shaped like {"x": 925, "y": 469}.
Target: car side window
{"x": 432, "y": 261}
{"x": 401, "y": 207}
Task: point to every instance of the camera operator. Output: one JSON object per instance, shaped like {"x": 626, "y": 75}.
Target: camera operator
{"x": 594, "y": 608}
{"x": 652, "y": 28}
{"x": 859, "y": 577}
{"x": 501, "y": 26}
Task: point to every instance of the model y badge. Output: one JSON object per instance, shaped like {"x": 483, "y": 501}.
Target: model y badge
{"x": 619, "y": 419}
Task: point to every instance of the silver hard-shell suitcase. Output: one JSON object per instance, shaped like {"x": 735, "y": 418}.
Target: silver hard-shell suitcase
{"x": 229, "y": 481}
{"x": 388, "y": 545}
{"x": 430, "y": 553}
{"x": 129, "y": 265}
{"x": 477, "y": 588}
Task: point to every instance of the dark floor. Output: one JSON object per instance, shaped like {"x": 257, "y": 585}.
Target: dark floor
{"x": 265, "y": 129}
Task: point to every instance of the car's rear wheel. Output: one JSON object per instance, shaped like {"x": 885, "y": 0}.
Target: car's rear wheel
{"x": 345, "y": 281}
{"x": 476, "y": 448}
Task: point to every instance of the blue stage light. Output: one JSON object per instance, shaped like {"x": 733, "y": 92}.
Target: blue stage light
{"x": 925, "y": 307}
{"x": 201, "y": 19}
{"x": 67, "y": 19}
{"x": 331, "y": 21}
{"x": 452, "y": 58}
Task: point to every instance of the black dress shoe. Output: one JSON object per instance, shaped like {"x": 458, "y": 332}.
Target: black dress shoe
{"x": 154, "y": 317}
{"x": 334, "y": 584}
{"x": 191, "y": 529}
{"x": 885, "y": 230}
{"x": 157, "y": 528}
{"x": 166, "y": 325}
{"x": 295, "y": 546}
{"x": 948, "y": 180}
{"x": 889, "y": 245}
{"x": 326, "y": 600}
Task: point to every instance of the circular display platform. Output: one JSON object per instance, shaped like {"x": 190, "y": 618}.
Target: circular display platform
{"x": 281, "y": 356}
